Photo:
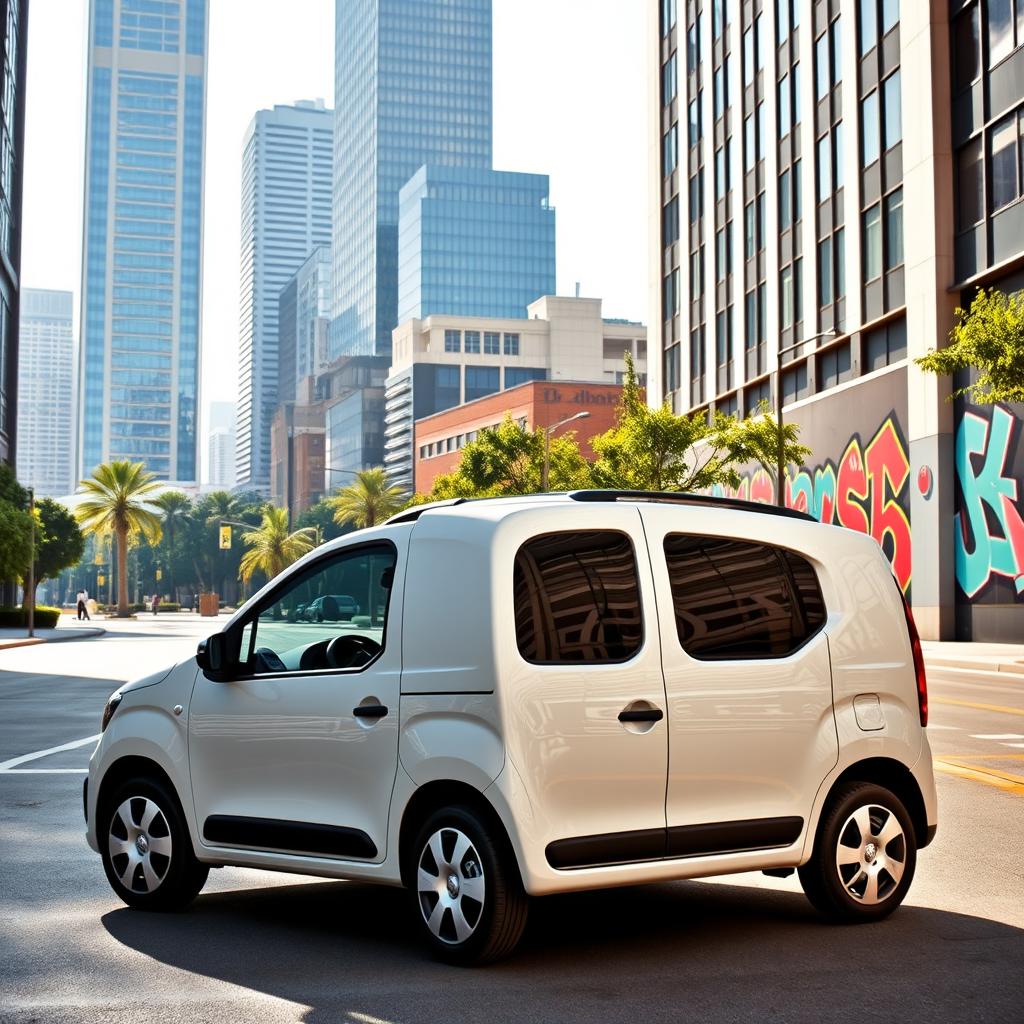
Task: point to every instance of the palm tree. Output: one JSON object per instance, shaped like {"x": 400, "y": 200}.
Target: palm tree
{"x": 370, "y": 499}
{"x": 118, "y": 500}
{"x": 174, "y": 508}
{"x": 271, "y": 547}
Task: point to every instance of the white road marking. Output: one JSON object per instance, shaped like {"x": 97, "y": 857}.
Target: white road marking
{"x": 15, "y": 761}
{"x": 365, "y": 1018}
{"x": 980, "y": 736}
{"x": 45, "y": 771}
{"x": 1018, "y": 745}
{"x": 953, "y": 728}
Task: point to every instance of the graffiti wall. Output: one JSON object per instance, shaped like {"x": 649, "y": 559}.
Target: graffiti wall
{"x": 989, "y": 521}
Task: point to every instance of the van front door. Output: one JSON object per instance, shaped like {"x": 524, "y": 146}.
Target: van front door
{"x": 751, "y": 726}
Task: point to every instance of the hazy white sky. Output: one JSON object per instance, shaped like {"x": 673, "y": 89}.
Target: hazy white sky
{"x": 569, "y": 101}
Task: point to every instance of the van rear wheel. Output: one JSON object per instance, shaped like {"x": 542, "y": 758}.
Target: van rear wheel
{"x": 864, "y": 855}
{"x": 467, "y": 895}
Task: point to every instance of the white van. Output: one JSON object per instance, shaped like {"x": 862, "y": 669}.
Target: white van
{"x": 542, "y": 694}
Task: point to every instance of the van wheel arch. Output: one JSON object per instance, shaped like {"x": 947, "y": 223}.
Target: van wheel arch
{"x": 135, "y": 767}
{"x": 431, "y": 797}
{"x": 898, "y": 779}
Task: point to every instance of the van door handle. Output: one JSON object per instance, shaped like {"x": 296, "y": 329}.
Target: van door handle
{"x": 641, "y": 715}
{"x": 370, "y": 711}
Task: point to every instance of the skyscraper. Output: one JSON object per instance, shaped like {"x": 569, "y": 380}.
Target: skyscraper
{"x": 286, "y": 214}
{"x": 46, "y": 395}
{"x": 412, "y": 87}
{"x": 814, "y": 240}
{"x": 304, "y": 317}
{"x": 474, "y": 242}
{"x": 13, "y": 32}
{"x": 143, "y": 234}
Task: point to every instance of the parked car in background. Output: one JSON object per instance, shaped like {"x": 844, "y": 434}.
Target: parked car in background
{"x": 332, "y": 608}
{"x": 561, "y": 692}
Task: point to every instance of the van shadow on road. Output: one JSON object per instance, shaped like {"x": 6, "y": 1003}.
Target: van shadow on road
{"x": 682, "y": 951}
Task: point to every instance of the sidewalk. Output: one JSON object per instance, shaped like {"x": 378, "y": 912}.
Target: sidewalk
{"x": 17, "y": 637}
{"x": 1004, "y": 661}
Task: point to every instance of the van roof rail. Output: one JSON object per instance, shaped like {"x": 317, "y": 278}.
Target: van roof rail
{"x": 410, "y": 515}
{"x": 687, "y": 498}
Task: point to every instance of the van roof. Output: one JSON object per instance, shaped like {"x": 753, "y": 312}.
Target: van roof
{"x": 410, "y": 515}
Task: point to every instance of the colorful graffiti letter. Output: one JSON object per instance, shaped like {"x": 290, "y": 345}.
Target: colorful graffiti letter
{"x": 989, "y": 554}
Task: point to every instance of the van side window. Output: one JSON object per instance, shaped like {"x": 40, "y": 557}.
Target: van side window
{"x": 577, "y": 598}
{"x": 739, "y": 599}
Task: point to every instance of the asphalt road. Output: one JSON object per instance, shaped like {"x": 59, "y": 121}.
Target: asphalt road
{"x": 263, "y": 947}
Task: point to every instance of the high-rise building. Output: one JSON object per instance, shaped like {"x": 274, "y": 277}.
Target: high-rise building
{"x": 143, "y": 236}
{"x": 220, "y": 429}
{"x": 286, "y": 214}
{"x": 828, "y": 182}
{"x": 473, "y": 242}
{"x": 412, "y": 87}
{"x": 304, "y": 319}
{"x": 13, "y": 36}
{"x": 46, "y": 392}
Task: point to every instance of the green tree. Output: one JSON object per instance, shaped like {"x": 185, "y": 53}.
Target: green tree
{"x": 15, "y": 540}
{"x": 59, "y": 543}
{"x": 370, "y": 499}
{"x": 174, "y": 509}
{"x": 10, "y": 490}
{"x": 320, "y": 517}
{"x": 758, "y": 438}
{"x": 271, "y": 547}
{"x": 656, "y": 450}
{"x": 990, "y": 340}
{"x": 118, "y": 500}
{"x": 507, "y": 460}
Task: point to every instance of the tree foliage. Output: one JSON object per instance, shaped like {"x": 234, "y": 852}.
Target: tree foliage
{"x": 271, "y": 547}
{"x": 15, "y": 539}
{"x": 320, "y": 517}
{"x": 758, "y": 438}
{"x": 990, "y": 340}
{"x": 509, "y": 460}
{"x": 59, "y": 542}
{"x": 369, "y": 500}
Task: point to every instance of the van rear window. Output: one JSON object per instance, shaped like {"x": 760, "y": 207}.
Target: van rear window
{"x": 577, "y": 598}
{"x": 737, "y": 599}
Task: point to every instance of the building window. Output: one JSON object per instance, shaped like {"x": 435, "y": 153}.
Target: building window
{"x": 671, "y": 296}
{"x": 970, "y": 185}
{"x": 840, "y": 247}
{"x": 782, "y": 17}
{"x": 821, "y": 67}
{"x": 718, "y": 87}
{"x": 672, "y": 368}
{"x": 492, "y": 343}
{"x": 721, "y": 170}
{"x": 785, "y": 194}
{"x": 824, "y": 168}
{"x": 760, "y": 132}
{"x": 670, "y": 150}
{"x": 511, "y": 344}
{"x": 869, "y": 129}
{"x": 671, "y": 234}
{"x": 868, "y": 25}
{"x": 748, "y": 231}
{"x": 893, "y": 122}
{"x": 696, "y": 195}
{"x": 696, "y": 273}
{"x": 481, "y": 381}
{"x": 966, "y": 48}
{"x": 825, "y": 271}
{"x": 472, "y": 339}
{"x": 894, "y": 229}
{"x": 786, "y": 293}
{"x": 1006, "y": 161}
{"x": 668, "y": 16}
{"x": 693, "y": 115}
{"x": 717, "y": 17}
{"x": 749, "y": 154}
{"x": 692, "y": 47}
{"x": 1005, "y": 31}
{"x": 748, "y": 56}
{"x": 890, "y": 15}
{"x": 453, "y": 341}
{"x": 872, "y": 242}
{"x": 837, "y": 154}
{"x": 836, "y": 30}
{"x": 785, "y": 106}
{"x": 669, "y": 81}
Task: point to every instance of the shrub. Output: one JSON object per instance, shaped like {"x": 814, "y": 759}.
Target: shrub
{"x": 45, "y": 618}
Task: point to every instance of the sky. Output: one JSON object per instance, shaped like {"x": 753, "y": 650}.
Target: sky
{"x": 569, "y": 101}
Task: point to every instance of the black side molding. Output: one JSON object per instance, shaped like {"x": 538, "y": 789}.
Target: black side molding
{"x": 288, "y": 836}
{"x": 676, "y": 842}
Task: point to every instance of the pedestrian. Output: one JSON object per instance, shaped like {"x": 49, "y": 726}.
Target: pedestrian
{"x": 156, "y": 603}
{"x": 80, "y": 599}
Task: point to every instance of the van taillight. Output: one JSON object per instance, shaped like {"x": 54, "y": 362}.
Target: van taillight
{"x": 915, "y": 647}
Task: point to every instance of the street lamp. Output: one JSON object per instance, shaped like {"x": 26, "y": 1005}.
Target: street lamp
{"x": 31, "y": 581}
{"x": 548, "y": 431}
{"x": 780, "y": 462}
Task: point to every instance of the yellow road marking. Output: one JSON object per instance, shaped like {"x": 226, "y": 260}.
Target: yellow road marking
{"x": 989, "y": 776}
{"x": 980, "y": 707}
{"x": 983, "y": 757}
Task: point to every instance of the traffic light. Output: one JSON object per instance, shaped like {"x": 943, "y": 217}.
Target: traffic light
{"x": 225, "y": 538}
{"x": 159, "y": 575}
{"x": 100, "y": 580}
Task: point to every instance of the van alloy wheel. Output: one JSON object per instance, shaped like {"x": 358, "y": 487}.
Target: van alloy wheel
{"x": 871, "y": 854}
{"x": 140, "y": 844}
{"x": 450, "y": 885}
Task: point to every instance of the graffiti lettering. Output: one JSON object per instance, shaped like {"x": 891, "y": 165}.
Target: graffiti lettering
{"x": 868, "y": 492}
{"x": 981, "y": 552}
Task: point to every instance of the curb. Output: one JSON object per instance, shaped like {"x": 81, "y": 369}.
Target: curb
{"x": 94, "y": 631}
{"x": 980, "y": 665}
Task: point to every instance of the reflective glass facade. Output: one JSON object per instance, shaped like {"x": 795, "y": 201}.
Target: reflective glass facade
{"x": 412, "y": 87}
{"x": 141, "y": 287}
{"x": 286, "y": 214}
{"x": 474, "y": 243}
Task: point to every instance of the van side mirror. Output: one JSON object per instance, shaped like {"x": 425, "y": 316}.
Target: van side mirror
{"x": 213, "y": 656}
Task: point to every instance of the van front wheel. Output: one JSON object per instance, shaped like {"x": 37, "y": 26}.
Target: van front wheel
{"x": 864, "y": 855}
{"x": 467, "y": 895}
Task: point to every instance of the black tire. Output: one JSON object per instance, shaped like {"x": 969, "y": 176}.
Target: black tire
{"x": 177, "y": 874}
{"x": 846, "y": 893}
{"x": 487, "y": 867}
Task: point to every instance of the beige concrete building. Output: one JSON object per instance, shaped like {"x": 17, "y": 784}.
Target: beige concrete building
{"x": 444, "y": 361}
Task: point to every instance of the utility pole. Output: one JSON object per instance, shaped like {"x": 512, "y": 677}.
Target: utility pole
{"x": 547, "y": 445}
{"x": 30, "y": 589}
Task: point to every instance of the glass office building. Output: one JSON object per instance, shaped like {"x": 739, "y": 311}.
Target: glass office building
{"x": 13, "y": 29}
{"x": 474, "y": 242}
{"x": 286, "y": 214}
{"x": 412, "y": 87}
{"x": 142, "y": 253}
